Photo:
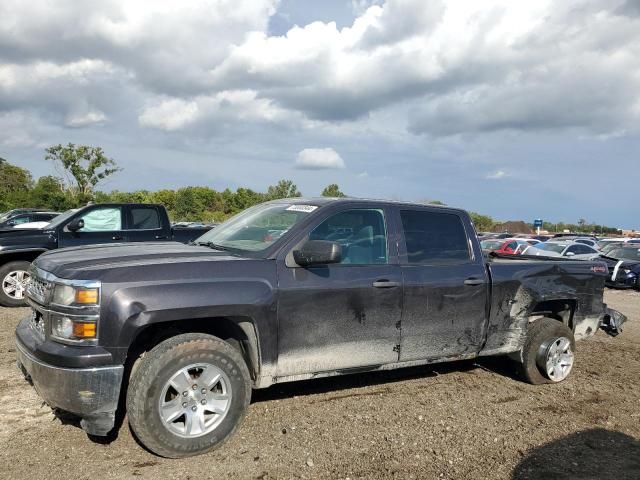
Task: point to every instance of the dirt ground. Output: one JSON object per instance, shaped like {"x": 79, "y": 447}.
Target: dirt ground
{"x": 468, "y": 420}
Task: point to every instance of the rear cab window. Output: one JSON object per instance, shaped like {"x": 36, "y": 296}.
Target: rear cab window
{"x": 434, "y": 238}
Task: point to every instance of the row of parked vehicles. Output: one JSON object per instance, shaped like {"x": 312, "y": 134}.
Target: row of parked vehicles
{"x": 622, "y": 255}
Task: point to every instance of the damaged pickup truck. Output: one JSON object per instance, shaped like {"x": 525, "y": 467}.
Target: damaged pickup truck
{"x": 179, "y": 335}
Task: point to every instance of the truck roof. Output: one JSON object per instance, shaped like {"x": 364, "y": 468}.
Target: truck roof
{"x": 320, "y": 201}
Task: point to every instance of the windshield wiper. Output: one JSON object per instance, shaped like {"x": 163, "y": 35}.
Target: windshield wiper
{"x": 215, "y": 246}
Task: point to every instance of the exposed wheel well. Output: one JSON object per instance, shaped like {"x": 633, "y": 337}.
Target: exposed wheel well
{"x": 237, "y": 331}
{"x": 561, "y": 310}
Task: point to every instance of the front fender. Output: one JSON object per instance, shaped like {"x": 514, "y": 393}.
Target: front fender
{"x": 132, "y": 308}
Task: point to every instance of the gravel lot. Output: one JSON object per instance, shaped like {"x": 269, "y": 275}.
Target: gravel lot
{"x": 464, "y": 420}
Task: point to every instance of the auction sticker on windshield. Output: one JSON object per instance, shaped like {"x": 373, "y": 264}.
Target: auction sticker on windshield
{"x": 301, "y": 208}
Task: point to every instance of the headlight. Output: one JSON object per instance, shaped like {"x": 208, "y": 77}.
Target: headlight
{"x": 69, "y": 295}
{"x": 65, "y": 328}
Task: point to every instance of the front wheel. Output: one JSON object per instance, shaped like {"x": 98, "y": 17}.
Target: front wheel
{"x": 14, "y": 277}
{"x": 188, "y": 395}
{"x": 548, "y": 353}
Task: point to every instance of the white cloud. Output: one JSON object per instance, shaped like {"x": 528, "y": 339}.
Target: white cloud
{"x": 93, "y": 117}
{"x": 498, "y": 175}
{"x": 319, "y": 159}
{"x": 229, "y": 106}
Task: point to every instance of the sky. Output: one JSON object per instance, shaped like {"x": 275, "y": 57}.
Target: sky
{"x": 519, "y": 110}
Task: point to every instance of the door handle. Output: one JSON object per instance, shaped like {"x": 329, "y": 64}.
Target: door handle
{"x": 116, "y": 237}
{"x": 161, "y": 237}
{"x": 474, "y": 281}
{"x": 385, "y": 284}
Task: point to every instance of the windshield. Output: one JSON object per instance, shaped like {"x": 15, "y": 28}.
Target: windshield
{"x": 625, "y": 254}
{"x": 610, "y": 246}
{"x": 62, "y": 218}
{"x": 551, "y": 247}
{"x": 257, "y": 228}
{"x": 491, "y": 244}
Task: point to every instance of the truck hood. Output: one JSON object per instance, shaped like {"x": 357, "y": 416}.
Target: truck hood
{"x": 127, "y": 260}
{"x": 6, "y": 234}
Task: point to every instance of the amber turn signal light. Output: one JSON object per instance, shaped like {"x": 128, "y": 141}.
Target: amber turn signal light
{"x": 84, "y": 330}
{"x": 87, "y": 296}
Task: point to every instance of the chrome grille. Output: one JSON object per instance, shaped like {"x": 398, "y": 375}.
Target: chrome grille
{"x": 37, "y": 324}
{"x": 39, "y": 289}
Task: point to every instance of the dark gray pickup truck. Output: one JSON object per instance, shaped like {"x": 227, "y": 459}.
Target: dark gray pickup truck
{"x": 288, "y": 290}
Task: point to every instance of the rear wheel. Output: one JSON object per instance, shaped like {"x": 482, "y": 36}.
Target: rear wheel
{"x": 188, "y": 395}
{"x": 548, "y": 353}
{"x": 14, "y": 277}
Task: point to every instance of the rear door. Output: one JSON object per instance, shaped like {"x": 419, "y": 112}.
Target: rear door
{"x": 144, "y": 224}
{"x": 102, "y": 224}
{"x": 446, "y": 285}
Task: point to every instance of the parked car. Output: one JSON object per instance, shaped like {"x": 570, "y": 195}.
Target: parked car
{"x": 509, "y": 246}
{"x": 572, "y": 236}
{"x": 587, "y": 241}
{"x": 17, "y": 211}
{"x": 577, "y": 251}
{"x": 27, "y": 217}
{"x": 348, "y": 286}
{"x": 36, "y": 225}
{"x": 93, "y": 224}
{"x": 610, "y": 246}
{"x": 624, "y": 267}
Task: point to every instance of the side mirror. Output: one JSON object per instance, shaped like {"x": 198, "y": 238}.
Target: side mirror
{"x": 569, "y": 254}
{"x": 75, "y": 224}
{"x": 318, "y": 252}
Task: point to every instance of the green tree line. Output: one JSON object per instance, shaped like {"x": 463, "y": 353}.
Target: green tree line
{"x": 81, "y": 168}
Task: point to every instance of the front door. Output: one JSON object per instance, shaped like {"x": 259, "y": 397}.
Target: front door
{"x": 445, "y": 286}
{"x": 346, "y": 315}
{"x": 102, "y": 224}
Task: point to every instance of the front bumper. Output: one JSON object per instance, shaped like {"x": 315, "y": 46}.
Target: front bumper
{"x": 90, "y": 393}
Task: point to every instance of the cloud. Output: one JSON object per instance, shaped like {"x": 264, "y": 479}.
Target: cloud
{"x": 498, "y": 175}
{"x": 319, "y": 159}
{"x": 454, "y": 68}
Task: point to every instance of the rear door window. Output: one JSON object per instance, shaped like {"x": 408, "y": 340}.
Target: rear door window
{"x": 144, "y": 218}
{"x": 434, "y": 238}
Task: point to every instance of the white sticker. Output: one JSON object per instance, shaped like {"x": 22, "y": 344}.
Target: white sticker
{"x": 302, "y": 208}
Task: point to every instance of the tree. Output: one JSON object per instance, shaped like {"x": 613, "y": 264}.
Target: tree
{"x": 436, "y": 202}
{"x": 332, "y": 191}
{"x": 482, "y": 222}
{"x": 49, "y": 192}
{"x": 283, "y": 189}
{"x": 83, "y": 166}
{"x": 581, "y": 224}
{"x": 15, "y": 183}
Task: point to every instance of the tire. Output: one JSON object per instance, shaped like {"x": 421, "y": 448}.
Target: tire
{"x": 549, "y": 342}
{"x": 165, "y": 373}
{"x": 12, "y": 283}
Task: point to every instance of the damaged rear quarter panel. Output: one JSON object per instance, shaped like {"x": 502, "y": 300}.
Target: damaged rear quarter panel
{"x": 519, "y": 286}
